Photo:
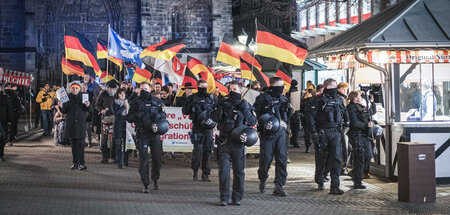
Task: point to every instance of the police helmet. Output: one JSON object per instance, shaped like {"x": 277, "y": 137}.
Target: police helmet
{"x": 377, "y": 132}
{"x": 205, "y": 121}
{"x": 160, "y": 126}
{"x": 244, "y": 135}
{"x": 269, "y": 123}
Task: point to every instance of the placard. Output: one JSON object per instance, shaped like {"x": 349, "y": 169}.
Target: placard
{"x": 62, "y": 96}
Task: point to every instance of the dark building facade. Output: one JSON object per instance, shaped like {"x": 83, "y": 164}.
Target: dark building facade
{"x": 32, "y": 31}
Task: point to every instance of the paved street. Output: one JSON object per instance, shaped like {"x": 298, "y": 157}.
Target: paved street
{"x": 36, "y": 179}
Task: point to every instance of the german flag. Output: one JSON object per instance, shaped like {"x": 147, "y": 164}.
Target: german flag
{"x": 178, "y": 67}
{"x": 105, "y": 77}
{"x": 197, "y": 68}
{"x": 165, "y": 50}
{"x": 254, "y": 75}
{"x": 71, "y": 67}
{"x": 286, "y": 75}
{"x": 272, "y": 44}
{"x": 78, "y": 48}
{"x": 141, "y": 75}
{"x": 231, "y": 51}
{"x": 102, "y": 56}
{"x": 222, "y": 89}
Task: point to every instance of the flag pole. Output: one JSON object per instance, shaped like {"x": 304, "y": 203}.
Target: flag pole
{"x": 62, "y": 73}
{"x": 253, "y": 60}
{"x": 107, "y": 56}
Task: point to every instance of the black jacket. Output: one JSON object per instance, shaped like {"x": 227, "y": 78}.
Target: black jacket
{"x": 232, "y": 113}
{"x": 120, "y": 123}
{"x": 325, "y": 112}
{"x": 143, "y": 112}
{"x": 196, "y": 104}
{"x": 280, "y": 106}
{"x": 5, "y": 110}
{"x": 75, "y": 117}
{"x": 104, "y": 101}
{"x": 180, "y": 101}
{"x": 15, "y": 103}
{"x": 359, "y": 118}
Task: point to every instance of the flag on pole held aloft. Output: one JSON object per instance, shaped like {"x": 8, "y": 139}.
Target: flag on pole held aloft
{"x": 189, "y": 77}
{"x": 130, "y": 71}
{"x": 78, "y": 48}
{"x": 284, "y": 74}
{"x": 124, "y": 49}
{"x": 253, "y": 74}
{"x": 272, "y": 44}
{"x": 71, "y": 67}
{"x": 197, "y": 68}
{"x": 178, "y": 67}
{"x": 166, "y": 67}
{"x": 103, "y": 58}
{"x": 165, "y": 50}
{"x": 231, "y": 51}
{"x": 141, "y": 75}
{"x": 106, "y": 76}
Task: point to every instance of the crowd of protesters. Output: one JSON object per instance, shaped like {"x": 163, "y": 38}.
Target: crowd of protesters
{"x": 336, "y": 125}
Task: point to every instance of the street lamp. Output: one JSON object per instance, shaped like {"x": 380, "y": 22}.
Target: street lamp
{"x": 243, "y": 37}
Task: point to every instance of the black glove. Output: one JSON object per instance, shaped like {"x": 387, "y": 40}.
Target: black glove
{"x": 241, "y": 106}
{"x": 44, "y": 99}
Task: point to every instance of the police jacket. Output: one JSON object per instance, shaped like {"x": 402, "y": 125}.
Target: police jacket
{"x": 231, "y": 113}
{"x": 324, "y": 112}
{"x": 104, "y": 101}
{"x": 76, "y": 113}
{"x": 359, "y": 118}
{"x": 277, "y": 105}
{"x": 144, "y": 111}
{"x": 196, "y": 104}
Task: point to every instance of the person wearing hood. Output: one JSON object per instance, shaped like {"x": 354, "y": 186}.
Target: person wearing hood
{"x": 202, "y": 134}
{"x": 76, "y": 112}
{"x": 273, "y": 144}
{"x": 120, "y": 108}
{"x": 103, "y": 106}
{"x": 326, "y": 116}
{"x": 143, "y": 112}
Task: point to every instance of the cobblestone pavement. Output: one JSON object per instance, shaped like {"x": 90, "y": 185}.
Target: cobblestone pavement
{"x": 36, "y": 179}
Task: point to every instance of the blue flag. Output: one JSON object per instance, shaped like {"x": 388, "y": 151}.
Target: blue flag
{"x": 124, "y": 49}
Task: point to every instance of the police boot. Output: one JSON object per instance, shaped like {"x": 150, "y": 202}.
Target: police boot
{"x": 155, "y": 185}
{"x": 359, "y": 186}
{"x": 205, "y": 178}
{"x": 145, "y": 190}
{"x": 223, "y": 203}
{"x": 278, "y": 191}
{"x": 320, "y": 187}
{"x": 336, "y": 191}
{"x": 262, "y": 187}
{"x": 74, "y": 167}
{"x": 195, "y": 177}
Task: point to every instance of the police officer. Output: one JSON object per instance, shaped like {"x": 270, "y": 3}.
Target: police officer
{"x": 232, "y": 112}
{"x": 360, "y": 124}
{"x": 201, "y": 103}
{"x": 325, "y": 117}
{"x": 277, "y": 106}
{"x": 144, "y": 111}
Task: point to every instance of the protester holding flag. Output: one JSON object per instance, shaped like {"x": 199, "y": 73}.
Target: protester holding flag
{"x": 199, "y": 107}
{"x": 76, "y": 112}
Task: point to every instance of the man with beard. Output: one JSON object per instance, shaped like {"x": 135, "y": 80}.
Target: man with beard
{"x": 197, "y": 105}
{"x": 273, "y": 143}
{"x": 103, "y": 106}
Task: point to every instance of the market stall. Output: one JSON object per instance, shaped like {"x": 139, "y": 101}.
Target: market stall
{"x": 404, "y": 51}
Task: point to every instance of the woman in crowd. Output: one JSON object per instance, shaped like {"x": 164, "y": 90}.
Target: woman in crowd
{"x": 120, "y": 108}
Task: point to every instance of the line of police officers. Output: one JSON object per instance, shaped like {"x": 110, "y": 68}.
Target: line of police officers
{"x": 326, "y": 118}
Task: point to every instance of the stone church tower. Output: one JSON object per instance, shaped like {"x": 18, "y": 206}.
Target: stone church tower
{"x": 32, "y": 31}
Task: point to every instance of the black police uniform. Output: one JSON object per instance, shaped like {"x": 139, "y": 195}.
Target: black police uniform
{"x": 278, "y": 105}
{"x": 231, "y": 112}
{"x": 359, "y": 139}
{"x": 201, "y": 138}
{"x": 143, "y": 111}
{"x": 326, "y": 116}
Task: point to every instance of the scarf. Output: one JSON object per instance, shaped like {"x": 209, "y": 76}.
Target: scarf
{"x": 122, "y": 103}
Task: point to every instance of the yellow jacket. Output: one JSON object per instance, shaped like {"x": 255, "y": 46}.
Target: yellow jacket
{"x": 49, "y": 96}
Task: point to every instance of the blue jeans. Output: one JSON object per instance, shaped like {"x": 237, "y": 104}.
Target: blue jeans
{"x": 47, "y": 121}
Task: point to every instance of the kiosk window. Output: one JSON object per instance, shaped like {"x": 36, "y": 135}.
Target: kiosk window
{"x": 424, "y": 92}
